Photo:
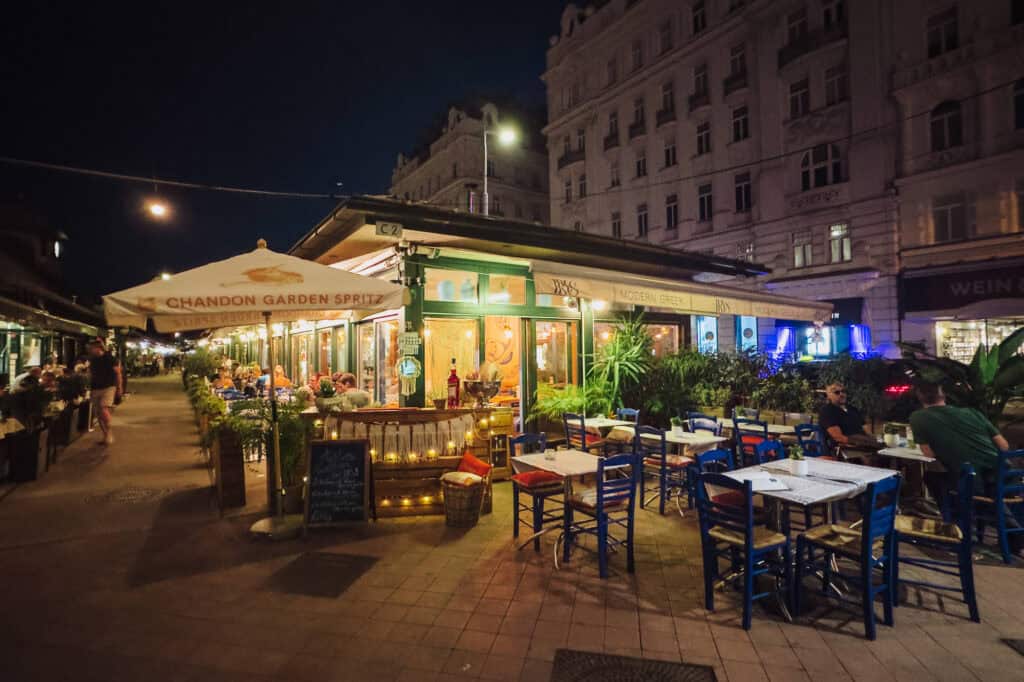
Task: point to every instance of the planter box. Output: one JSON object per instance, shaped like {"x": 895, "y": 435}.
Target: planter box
{"x": 712, "y": 411}
{"x": 27, "y": 451}
{"x": 228, "y": 470}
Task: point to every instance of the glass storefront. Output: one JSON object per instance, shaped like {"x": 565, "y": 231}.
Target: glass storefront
{"x": 746, "y": 333}
{"x": 555, "y": 352}
{"x": 387, "y": 361}
{"x": 444, "y": 339}
{"x": 302, "y": 353}
{"x": 366, "y": 359}
{"x": 958, "y": 340}
{"x": 340, "y": 349}
{"x": 324, "y": 366}
{"x": 664, "y": 337}
{"x": 503, "y": 350}
{"x": 452, "y": 286}
{"x": 706, "y": 333}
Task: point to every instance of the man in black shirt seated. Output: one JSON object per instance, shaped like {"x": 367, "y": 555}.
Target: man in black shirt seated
{"x": 844, "y": 424}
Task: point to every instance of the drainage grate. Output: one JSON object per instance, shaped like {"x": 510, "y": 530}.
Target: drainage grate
{"x": 571, "y": 666}
{"x": 130, "y": 495}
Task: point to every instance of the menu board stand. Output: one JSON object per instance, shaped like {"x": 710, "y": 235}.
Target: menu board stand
{"x": 339, "y": 483}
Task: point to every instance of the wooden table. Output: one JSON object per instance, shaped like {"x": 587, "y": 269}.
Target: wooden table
{"x": 699, "y": 439}
{"x": 568, "y": 464}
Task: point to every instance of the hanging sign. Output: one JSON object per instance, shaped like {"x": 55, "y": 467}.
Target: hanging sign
{"x": 389, "y": 230}
{"x": 409, "y": 370}
{"x": 409, "y": 343}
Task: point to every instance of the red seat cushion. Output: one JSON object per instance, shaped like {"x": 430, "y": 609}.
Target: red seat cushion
{"x": 672, "y": 461}
{"x": 474, "y": 465}
{"x": 533, "y": 479}
{"x": 751, "y": 440}
{"x": 733, "y": 498}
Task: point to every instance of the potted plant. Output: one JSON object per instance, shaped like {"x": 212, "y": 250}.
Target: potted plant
{"x": 328, "y": 399}
{"x": 294, "y": 435}
{"x": 798, "y": 465}
{"x": 232, "y": 436}
{"x": 677, "y": 425}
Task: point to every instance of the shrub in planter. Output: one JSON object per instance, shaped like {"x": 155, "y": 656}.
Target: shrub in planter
{"x": 784, "y": 391}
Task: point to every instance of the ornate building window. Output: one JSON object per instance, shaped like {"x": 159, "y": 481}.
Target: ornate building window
{"x": 946, "y": 126}
{"x": 821, "y": 166}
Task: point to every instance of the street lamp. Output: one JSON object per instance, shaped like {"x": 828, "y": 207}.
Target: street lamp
{"x": 157, "y": 209}
{"x": 506, "y": 136}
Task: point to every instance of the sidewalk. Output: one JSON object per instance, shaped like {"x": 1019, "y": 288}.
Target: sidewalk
{"x": 119, "y": 567}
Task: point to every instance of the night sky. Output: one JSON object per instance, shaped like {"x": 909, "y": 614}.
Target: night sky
{"x": 281, "y": 96}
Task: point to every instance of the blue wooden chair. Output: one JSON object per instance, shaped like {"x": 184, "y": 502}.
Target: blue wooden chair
{"x": 747, "y": 435}
{"x": 669, "y": 470}
{"x": 812, "y": 440}
{"x": 616, "y": 440}
{"x": 696, "y": 421}
{"x": 740, "y": 412}
{"x": 953, "y": 538}
{"x": 609, "y": 506}
{"x": 729, "y": 531}
{"x": 872, "y": 548}
{"x": 769, "y": 451}
{"x": 577, "y": 436}
{"x": 538, "y": 485}
{"x": 1006, "y": 504}
{"x": 715, "y": 461}
{"x": 628, "y": 414}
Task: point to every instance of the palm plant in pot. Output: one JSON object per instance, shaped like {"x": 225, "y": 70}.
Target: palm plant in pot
{"x": 295, "y": 432}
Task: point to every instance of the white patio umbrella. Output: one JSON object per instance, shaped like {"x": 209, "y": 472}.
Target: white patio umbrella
{"x": 259, "y": 286}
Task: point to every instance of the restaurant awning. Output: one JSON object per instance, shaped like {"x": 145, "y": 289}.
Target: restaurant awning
{"x": 560, "y": 279}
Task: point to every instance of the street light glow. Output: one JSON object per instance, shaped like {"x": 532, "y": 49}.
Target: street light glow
{"x": 507, "y": 136}
{"x": 165, "y": 276}
{"x": 156, "y": 209}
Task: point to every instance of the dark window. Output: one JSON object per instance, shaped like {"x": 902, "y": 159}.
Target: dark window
{"x": 796, "y": 25}
{"x": 700, "y": 80}
{"x": 740, "y": 124}
{"x": 799, "y": 99}
{"x": 738, "y": 60}
{"x": 947, "y": 126}
{"x": 613, "y": 124}
{"x": 641, "y": 164}
{"x": 700, "y": 17}
{"x": 943, "y": 33}
{"x": 638, "y": 54}
{"x": 835, "y": 85}
{"x": 670, "y": 153}
{"x": 703, "y": 138}
{"x": 951, "y": 218}
{"x": 613, "y": 71}
{"x": 668, "y": 97}
{"x": 638, "y": 111}
{"x": 671, "y": 212}
{"x": 803, "y": 253}
{"x": 568, "y": 190}
{"x": 833, "y": 13}
{"x": 617, "y": 225}
{"x": 566, "y": 144}
{"x": 743, "y": 196}
{"x": 704, "y": 208}
{"x": 613, "y": 174}
{"x": 582, "y": 186}
{"x": 1016, "y": 11}
{"x": 577, "y": 226}
{"x": 665, "y": 36}
{"x": 455, "y": 170}
{"x": 581, "y": 139}
{"x": 641, "y": 220}
{"x": 490, "y": 168}
{"x": 821, "y": 166}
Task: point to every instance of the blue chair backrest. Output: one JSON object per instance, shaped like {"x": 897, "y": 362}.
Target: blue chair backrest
{"x": 650, "y": 442}
{"x": 1009, "y": 480}
{"x": 965, "y": 500}
{"x": 879, "y": 507}
{"x": 739, "y": 412}
{"x": 769, "y": 451}
{"x": 617, "y": 488}
{"x": 527, "y": 442}
{"x": 713, "y": 461}
{"x": 735, "y": 517}
{"x": 811, "y": 439}
{"x": 695, "y": 421}
{"x": 628, "y": 414}
{"x": 575, "y": 430}
{"x": 750, "y": 427}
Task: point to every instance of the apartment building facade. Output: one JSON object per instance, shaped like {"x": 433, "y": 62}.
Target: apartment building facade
{"x": 450, "y": 171}
{"x": 768, "y": 131}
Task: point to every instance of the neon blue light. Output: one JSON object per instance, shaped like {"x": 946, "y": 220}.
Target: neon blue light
{"x": 860, "y": 339}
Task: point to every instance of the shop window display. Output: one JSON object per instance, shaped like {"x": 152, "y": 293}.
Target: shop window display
{"x": 502, "y": 349}
{"x": 444, "y": 339}
{"x": 555, "y": 353}
{"x": 452, "y": 286}
{"x": 958, "y": 340}
{"x": 706, "y": 333}
{"x": 506, "y": 290}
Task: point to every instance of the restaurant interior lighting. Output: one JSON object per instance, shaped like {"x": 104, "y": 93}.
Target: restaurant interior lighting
{"x": 599, "y": 305}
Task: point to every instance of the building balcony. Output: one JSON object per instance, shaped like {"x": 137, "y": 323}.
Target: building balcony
{"x": 809, "y": 42}
{"x": 637, "y": 129}
{"x": 734, "y": 82}
{"x": 698, "y": 100}
{"x": 611, "y": 140}
{"x": 571, "y": 156}
{"x": 664, "y": 116}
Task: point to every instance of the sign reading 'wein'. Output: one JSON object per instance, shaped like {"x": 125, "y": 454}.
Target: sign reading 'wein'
{"x": 339, "y": 482}
{"x": 952, "y": 290}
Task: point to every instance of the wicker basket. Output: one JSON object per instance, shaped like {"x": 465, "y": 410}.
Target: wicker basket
{"x": 462, "y": 504}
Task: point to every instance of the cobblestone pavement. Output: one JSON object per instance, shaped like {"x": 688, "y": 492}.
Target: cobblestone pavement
{"x": 118, "y": 566}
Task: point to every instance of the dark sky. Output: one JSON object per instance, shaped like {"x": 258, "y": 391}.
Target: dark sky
{"x": 286, "y": 96}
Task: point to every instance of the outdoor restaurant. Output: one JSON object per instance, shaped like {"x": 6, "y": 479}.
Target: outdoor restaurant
{"x": 487, "y": 357}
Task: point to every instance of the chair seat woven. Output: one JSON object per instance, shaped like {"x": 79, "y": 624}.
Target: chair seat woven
{"x": 586, "y": 500}
{"x": 672, "y": 461}
{"x": 839, "y": 537}
{"x": 763, "y": 537}
{"x": 928, "y": 529}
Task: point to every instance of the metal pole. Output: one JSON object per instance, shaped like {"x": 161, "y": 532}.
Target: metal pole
{"x": 487, "y": 201}
{"x": 277, "y": 506}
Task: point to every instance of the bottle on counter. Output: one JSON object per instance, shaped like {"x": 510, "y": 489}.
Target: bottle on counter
{"x": 453, "y": 388}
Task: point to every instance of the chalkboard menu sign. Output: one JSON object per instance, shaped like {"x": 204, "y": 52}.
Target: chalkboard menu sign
{"x": 339, "y": 482}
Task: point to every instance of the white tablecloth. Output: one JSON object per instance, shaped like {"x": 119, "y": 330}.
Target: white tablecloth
{"x": 604, "y": 423}
{"x": 565, "y": 463}
{"x": 913, "y": 454}
{"x": 826, "y": 481}
{"x": 697, "y": 439}
{"x": 773, "y": 429}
